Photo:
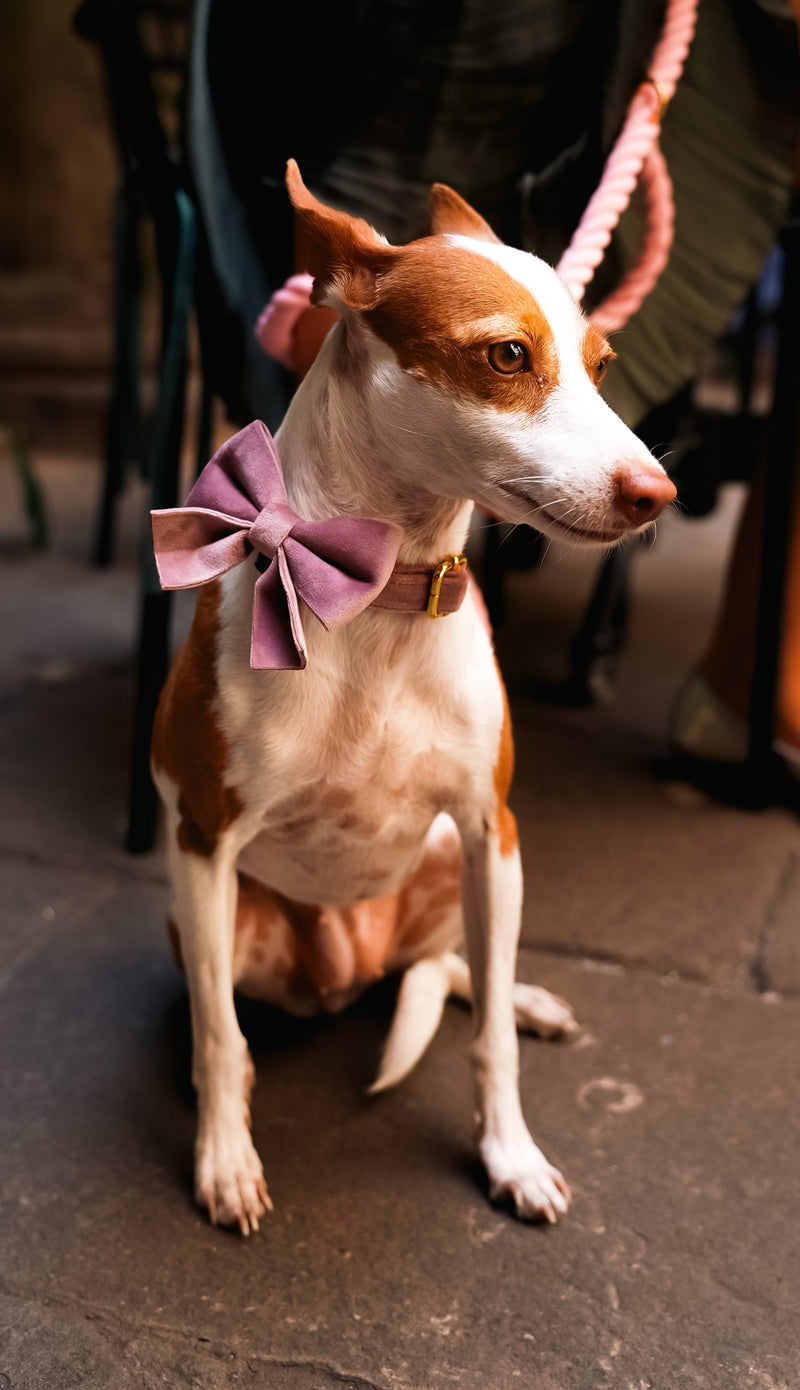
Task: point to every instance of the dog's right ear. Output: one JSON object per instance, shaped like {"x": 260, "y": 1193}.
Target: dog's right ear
{"x": 344, "y": 254}
{"x": 451, "y": 214}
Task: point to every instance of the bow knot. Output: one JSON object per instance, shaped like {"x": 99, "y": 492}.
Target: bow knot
{"x": 238, "y": 504}
{"x": 270, "y": 529}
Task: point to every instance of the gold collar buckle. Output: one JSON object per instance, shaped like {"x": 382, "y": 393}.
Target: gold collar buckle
{"x": 450, "y": 562}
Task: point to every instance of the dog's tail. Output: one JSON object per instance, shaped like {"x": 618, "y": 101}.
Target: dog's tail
{"x": 420, "y": 1003}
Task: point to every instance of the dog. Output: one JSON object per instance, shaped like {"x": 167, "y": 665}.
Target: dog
{"x": 337, "y": 809}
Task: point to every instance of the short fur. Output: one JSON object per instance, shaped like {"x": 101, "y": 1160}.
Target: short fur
{"x": 331, "y": 825}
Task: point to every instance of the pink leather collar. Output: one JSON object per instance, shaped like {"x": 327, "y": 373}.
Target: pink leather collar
{"x": 418, "y": 589}
{"x": 338, "y": 566}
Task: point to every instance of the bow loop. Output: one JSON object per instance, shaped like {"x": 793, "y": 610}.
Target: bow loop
{"x": 239, "y": 504}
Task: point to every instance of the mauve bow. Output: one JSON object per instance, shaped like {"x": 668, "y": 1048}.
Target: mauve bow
{"x": 238, "y": 504}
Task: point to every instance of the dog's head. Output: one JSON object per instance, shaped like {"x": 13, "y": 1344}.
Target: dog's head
{"x": 481, "y": 351}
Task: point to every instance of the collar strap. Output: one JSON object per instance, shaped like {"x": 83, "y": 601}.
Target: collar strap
{"x": 420, "y": 589}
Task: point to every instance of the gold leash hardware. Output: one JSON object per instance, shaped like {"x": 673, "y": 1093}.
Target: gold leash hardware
{"x": 450, "y": 562}
{"x": 663, "y": 97}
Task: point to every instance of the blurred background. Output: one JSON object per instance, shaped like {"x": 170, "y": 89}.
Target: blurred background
{"x": 59, "y": 170}
{"x": 662, "y": 866}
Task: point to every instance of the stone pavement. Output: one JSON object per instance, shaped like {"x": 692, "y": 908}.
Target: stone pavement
{"x": 670, "y": 922}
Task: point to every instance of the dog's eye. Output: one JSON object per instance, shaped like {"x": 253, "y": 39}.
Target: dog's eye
{"x": 508, "y": 358}
{"x": 602, "y": 366}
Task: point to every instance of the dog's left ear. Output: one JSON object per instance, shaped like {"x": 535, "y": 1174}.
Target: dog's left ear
{"x": 343, "y": 253}
{"x": 451, "y": 214}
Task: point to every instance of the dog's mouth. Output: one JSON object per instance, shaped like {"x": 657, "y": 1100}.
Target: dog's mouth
{"x": 565, "y": 528}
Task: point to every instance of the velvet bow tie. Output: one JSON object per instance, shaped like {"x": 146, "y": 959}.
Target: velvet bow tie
{"x": 238, "y": 505}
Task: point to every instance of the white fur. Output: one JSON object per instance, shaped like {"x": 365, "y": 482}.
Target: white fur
{"x": 396, "y": 720}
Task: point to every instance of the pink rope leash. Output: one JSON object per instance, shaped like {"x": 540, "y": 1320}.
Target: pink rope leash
{"x": 636, "y": 154}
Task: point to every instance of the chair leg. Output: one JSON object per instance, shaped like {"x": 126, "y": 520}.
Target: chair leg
{"x": 152, "y": 663}
{"x": 177, "y": 261}
{"x": 123, "y": 440}
{"x": 598, "y": 642}
{"x": 204, "y": 427}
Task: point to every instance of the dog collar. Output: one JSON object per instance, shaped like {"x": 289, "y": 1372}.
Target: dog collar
{"x": 419, "y": 589}
{"x": 338, "y": 566}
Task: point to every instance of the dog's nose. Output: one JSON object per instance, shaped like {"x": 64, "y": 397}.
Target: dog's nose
{"x": 642, "y": 492}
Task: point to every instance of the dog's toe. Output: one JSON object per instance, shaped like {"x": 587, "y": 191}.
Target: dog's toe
{"x": 540, "y": 1197}
{"x": 538, "y": 1011}
{"x": 523, "y": 1177}
{"x": 230, "y": 1183}
{"x": 535, "y": 1196}
{"x": 235, "y": 1201}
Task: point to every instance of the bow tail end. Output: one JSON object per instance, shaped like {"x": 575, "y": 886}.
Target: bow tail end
{"x": 277, "y": 640}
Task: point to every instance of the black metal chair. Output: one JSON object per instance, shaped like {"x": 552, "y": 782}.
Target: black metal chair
{"x": 153, "y": 186}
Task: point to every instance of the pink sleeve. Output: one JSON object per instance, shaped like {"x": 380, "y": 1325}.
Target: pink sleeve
{"x": 277, "y": 320}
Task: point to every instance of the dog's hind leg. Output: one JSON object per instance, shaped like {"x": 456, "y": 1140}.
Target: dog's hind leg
{"x": 536, "y": 1010}
{"x": 427, "y": 985}
{"x": 430, "y": 924}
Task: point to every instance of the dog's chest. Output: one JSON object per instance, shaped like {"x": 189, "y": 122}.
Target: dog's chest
{"x": 350, "y": 824}
{"x": 342, "y": 779}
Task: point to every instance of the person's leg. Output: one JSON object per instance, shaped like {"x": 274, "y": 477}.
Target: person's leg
{"x": 711, "y": 720}
{"x": 787, "y": 718}
{"x": 728, "y": 663}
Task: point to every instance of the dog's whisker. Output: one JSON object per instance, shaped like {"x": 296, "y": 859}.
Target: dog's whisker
{"x": 535, "y": 510}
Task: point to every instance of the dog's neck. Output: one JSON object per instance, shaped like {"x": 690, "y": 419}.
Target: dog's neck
{"x": 348, "y": 449}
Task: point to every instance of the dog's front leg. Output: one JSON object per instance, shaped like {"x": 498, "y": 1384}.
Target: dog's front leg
{"x": 516, "y": 1168}
{"x": 229, "y": 1179}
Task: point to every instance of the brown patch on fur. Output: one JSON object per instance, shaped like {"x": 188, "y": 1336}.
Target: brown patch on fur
{"x": 326, "y": 951}
{"x": 503, "y": 772}
{"x": 441, "y": 307}
{"x": 318, "y": 956}
{"x": 187, "y": 740}
{"x": 451, "y": 214}
{"x": 373, "y": 926}
{"x": 444, "y": 888}
{"x": 507, "y": 829}
{"x": 315, "y": 960}
{"x": 337, "y": 249}
{"x": 597, "y": 353}
{"x": 266, "y": 954}
{"x": 432, "y": 892}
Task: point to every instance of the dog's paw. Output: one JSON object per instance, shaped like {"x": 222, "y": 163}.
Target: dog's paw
{"x": 521, "y": 1174}
{"x": 538, "y": 1011}
{"x": 229, "y": 1181}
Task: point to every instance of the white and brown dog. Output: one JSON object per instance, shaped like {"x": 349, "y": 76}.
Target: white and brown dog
{"x": 328, "y": 826}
